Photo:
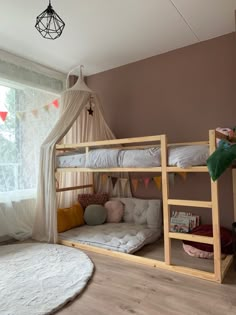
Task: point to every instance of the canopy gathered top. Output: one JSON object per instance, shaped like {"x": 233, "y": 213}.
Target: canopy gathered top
{"x": 73, "y": 101}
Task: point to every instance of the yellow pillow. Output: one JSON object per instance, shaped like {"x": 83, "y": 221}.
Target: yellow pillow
{"x": 69, "y": 218}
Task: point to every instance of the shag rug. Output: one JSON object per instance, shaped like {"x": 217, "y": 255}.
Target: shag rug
{"x": 38, "y": 279}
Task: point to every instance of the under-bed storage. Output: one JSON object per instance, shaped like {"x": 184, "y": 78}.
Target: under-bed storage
{"x": 142, "y": 224}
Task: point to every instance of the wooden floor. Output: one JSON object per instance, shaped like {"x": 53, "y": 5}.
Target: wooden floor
{"x": 178, "y": 255}
{"x": 120, "y": 287}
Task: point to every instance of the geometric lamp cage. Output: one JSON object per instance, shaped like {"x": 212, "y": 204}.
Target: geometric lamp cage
{"x": 49, "y": 24}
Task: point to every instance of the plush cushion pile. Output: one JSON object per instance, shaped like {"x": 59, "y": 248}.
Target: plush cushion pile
{"x": 142, "y": 225}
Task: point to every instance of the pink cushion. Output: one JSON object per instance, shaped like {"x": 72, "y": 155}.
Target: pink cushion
{"x": 115, "y": 211}
{"x": 195, "y": 252}
{"x": 92, "y": 199}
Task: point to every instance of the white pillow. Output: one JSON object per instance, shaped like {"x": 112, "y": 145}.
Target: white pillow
{"x": 186, "y": 156}
{"x": 142, "y": 211}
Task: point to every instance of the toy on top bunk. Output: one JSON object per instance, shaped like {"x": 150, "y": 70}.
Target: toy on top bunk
{"x": 224, "y": 155}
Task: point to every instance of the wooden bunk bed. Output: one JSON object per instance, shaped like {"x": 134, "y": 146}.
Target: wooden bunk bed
{"x": 220, "y": 266}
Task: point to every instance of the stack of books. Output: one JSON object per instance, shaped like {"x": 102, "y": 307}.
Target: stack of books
{"x": 183, "y": 222}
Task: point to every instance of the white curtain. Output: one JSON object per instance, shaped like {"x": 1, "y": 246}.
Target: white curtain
{"x": 73, "y": 101}
{"x": 21, "y": 135}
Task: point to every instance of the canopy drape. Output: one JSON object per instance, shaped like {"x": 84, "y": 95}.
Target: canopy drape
{"x": 73, "y": 101}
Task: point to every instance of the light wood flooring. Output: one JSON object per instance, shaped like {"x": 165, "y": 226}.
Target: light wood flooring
{"x": 120, "y": 287}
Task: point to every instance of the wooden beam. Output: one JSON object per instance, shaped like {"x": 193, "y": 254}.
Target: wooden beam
{"x": 215, "y": 215}
{"x": 142, "y": 260}
{"x": 165, "y": 195}
{"x": 226, "y": 263}
{"x": 109, "y": 142}
{"x": 74, "y": 188}
{"x": 190, "y": 203}
{"x": 110, "y": 170}
{"x": 191, "y": 237}
{"x": 193, "y": 169}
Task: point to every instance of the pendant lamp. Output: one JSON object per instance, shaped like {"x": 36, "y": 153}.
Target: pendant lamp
{"x": 49, "y": 24}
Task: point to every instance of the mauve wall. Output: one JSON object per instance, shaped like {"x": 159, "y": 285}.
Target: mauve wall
{"x": 182, "y": 93}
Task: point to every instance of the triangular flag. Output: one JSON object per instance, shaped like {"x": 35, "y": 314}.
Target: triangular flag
{"x": 35, "y": 112}
{"x": 3, "y": 115}
{"x": 104, "y": 179}
{"x": 146, "y": 181}
{"x": 20, "y": 115}
{"x": 171, "y": 177}
{"x": 55, "y": 103}
{"x": 114, "y": 181}
{"x": 157, "y": 180}
{"x": 183, "y": 175}
{"x": 46, "y": 107}
{"x": 123, "y": 182}
{"x": 134, "y": 182}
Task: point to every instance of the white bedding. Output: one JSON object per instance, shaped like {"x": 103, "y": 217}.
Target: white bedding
{"x": 121, "y": 237}
{"x": 182, "y": 156}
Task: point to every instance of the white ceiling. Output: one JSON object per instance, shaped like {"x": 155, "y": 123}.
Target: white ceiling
{"x": 104, "y": 34}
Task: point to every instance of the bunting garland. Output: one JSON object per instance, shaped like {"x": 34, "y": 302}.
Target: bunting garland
{"x": 3, "y": 115}
{"x": 35, "y": 111}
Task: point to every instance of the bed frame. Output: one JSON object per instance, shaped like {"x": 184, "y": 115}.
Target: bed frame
{"x": 220, "y": 266}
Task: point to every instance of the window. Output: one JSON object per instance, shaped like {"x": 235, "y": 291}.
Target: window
{"x": 27, "y": 124}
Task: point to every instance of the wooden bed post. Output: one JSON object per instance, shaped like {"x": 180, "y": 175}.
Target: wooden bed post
{"x": 215, "y": 215}
{"x": 165, "y": 196}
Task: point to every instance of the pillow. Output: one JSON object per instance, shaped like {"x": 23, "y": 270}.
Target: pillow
{"x": 69, "y": 218}
{"x": 92, "y": 199}
{"x": 206, "y": 230}
{"x": 198, "y": 253}
{"x": 95, "y": 214}
{"x": 186, "y": 156}
{"x": 142, "y": 211}
{"x": 115, "y": 211}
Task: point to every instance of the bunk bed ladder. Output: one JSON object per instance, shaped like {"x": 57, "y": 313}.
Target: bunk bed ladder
{"x": 213, "y": 204}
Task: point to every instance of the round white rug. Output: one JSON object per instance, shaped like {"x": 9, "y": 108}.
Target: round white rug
{"x": 38, "y": 279}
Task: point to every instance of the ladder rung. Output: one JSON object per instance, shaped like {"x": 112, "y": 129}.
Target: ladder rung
{"x": 192, "y": 169}
{"x": 191, "y": 237}
{"x": 190, "y": 203}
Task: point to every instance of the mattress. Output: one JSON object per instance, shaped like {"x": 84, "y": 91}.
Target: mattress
{"x": 121, "y": 237}
{"x": 182, "y": 156}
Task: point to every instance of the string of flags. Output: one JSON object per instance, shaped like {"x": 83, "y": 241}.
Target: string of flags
{"x": 35, "y": 111}
{"x": 146, "y": 181}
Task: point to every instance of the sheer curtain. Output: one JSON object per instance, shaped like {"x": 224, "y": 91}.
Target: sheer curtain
{"x": 27, "y": 124}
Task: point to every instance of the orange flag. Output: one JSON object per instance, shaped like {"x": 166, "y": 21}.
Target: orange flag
{"x": 157, "y": 180}
{"x": 183, "y": 175}
{"x": 104, "y": 179}
{"x": 134, "y": 183}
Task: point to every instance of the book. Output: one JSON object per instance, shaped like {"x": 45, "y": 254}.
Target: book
{"x": 183, "y": 222}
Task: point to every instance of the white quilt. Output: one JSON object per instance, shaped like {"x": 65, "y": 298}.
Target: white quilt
{"x": 121, "y": 237}
{"x": 182, "y": 156}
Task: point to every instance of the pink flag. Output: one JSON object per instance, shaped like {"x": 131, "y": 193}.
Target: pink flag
{"x": 146, "y": 181}
{"x": 55, "y": 103}
{"x": 3, "y": 115}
